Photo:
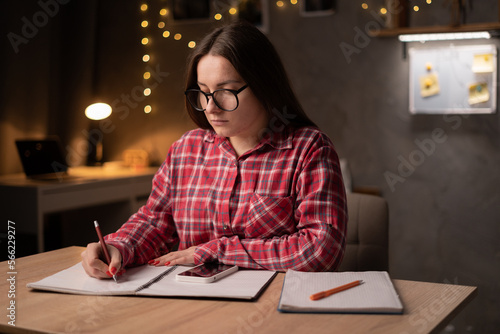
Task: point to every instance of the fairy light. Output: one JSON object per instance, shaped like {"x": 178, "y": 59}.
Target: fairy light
{"x": 177, "y": 36}
{"x": 383, "y": 11}
{"x": 364, "y": 5}
{"x": 147, "y": 109}
{"x": 293, "y": 2}
{"x": 191, "y": 44}
{"x": 166, "y": 34}
{"x": 233, "y": 11}
{"x": 416, "y": 8}
{"x": 146, "y": 58}
{"x": 218, "y": 16}
{"x": 280, "y": 3}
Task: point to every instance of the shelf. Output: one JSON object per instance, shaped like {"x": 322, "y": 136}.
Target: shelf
{"x": 436, "y": 29}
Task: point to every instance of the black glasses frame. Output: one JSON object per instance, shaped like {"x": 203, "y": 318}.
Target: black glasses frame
{"x": 207, "y": 95}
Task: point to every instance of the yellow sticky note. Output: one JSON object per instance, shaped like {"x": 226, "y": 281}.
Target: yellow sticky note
{"x": 483, "y": 63}
{"x": 429, "y": 85}
{"x": 478, "y": 93}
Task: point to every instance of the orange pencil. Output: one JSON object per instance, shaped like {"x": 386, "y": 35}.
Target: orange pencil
{"x": 327, "y": 293}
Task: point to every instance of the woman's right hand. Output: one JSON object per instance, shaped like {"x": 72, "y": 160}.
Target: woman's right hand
{"x": 93, "y": 261}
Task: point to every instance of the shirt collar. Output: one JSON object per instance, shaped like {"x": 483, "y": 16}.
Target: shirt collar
{"x": 277, "y": 139}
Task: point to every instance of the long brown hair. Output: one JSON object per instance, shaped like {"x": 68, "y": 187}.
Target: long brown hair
{"x": 257, "y": 62}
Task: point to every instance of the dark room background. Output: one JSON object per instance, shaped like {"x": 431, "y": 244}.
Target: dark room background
{"x": 444, "y": 217}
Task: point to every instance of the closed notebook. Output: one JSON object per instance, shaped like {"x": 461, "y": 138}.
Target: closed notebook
{"x": 376, "y": 295}
{"x": 156, "y": 281}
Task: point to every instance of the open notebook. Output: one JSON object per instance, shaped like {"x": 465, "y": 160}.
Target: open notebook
{"x": 157, "y": 281}
{"x": 376, "y": 295}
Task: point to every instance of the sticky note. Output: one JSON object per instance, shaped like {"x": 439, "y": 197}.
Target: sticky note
{"x": 429, "y": 85}
{"x": 483, "y": 63}
{"x": 478, "y": 93}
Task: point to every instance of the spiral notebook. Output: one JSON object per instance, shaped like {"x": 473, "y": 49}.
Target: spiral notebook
{"x": 375, "y": 295}
{"x": 157, "y": 281}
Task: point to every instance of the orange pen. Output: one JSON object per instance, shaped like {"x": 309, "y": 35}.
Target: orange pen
{"x": 327, "y": 293}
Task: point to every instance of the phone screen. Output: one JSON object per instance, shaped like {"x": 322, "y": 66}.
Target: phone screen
{"x": 206, "y": 270}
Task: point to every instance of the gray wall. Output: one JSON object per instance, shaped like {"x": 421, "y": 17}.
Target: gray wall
{"x": 444, "y": 215}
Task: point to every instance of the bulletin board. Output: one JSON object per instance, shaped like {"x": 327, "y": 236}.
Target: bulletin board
{"x": 453, "y": 80}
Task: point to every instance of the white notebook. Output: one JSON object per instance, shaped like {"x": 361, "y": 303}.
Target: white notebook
{"x": 375, "y": 295}
{"x": 157, "y": 281}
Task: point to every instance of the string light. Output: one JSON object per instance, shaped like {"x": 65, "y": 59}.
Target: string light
{"x": 280, "y": 3}
{"x": 416, "y": 8}
{"x": 218, "y": 16}
{"x": 177, "y": 36}
{"x": 293, "y": 2}
{"x": 166, "y": 34}
{"x": 145, "y": 58}
{"x": 364, "y": 5}
{"x": 191, "y": 44}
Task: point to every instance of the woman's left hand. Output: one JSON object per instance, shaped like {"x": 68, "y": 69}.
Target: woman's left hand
{"x": 185, "y": 256}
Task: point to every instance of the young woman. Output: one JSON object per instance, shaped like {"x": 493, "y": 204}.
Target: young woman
{"x": 257, "y": 185}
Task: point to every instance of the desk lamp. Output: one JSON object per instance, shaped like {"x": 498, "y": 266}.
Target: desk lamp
{"x": 96, "y": 112}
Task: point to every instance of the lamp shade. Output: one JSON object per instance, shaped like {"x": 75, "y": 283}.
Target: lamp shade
{"x": 98, "y": 111}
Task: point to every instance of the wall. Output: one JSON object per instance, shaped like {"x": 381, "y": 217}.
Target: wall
{"x": 444, "y": 216}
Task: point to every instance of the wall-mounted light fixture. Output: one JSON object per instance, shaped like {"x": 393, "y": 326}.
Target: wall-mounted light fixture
{"x": 448, "y": 36}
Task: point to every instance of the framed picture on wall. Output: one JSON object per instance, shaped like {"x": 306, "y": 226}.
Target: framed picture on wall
{"x": 317, "y": 7}
{"x": 190, "y": 10}
{"x": 255, "y": 12}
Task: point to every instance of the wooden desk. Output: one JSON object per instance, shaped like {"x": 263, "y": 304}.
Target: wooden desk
{"x": 428, "y": 308}
{"x": 26, "y": 201}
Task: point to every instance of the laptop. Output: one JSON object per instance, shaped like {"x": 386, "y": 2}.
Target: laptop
{"x": 43, "y": 159}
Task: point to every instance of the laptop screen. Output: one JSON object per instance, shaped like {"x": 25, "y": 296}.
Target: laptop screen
{"x": 40, "y": 157}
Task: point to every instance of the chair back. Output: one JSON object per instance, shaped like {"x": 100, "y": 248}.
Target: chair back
{"x": 367, "y": 244}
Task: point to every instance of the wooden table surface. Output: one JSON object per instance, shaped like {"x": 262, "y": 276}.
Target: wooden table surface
{"x": 428, "y": 308}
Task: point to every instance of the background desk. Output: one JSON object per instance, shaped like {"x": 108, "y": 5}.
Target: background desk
{"x": 26, "y": 202}
{"x": 428, "y": 308}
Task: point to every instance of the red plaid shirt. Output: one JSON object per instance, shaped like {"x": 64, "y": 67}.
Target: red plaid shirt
{"x": 279, "y": 206}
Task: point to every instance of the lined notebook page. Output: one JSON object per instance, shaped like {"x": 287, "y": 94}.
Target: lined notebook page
{"x": 243, "y": 284}
{"x": 75, "y": 280}
{"x": 375, "y": 295}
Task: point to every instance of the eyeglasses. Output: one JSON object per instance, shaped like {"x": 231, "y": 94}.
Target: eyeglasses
{"x": 225, "y": 99}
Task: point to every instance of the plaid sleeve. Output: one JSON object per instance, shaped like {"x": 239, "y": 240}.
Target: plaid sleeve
{"x": 150, "y": 232}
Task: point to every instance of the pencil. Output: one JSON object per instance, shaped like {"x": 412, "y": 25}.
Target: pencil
{"x": 327, "y": 293}
{"x": 103, "y": 245}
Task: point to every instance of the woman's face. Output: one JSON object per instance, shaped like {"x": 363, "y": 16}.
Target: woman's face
{"x": 245, "y": 123}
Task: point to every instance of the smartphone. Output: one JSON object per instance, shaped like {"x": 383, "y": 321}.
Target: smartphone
{"x": 206, "y": 273}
